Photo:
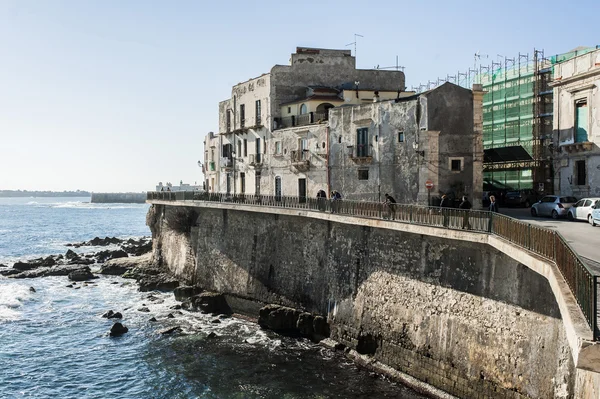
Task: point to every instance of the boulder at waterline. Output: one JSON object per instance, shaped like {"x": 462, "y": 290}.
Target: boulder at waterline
{"x": 118, "y": 329}
{"x": 210, "y": 302}
{"x": 81, "y": 274}
{"x": 169, "y": 330}
{"x": 185, "y": 292}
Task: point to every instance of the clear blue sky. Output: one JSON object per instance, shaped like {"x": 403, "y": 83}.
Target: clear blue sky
{"x": 118, "y": 95}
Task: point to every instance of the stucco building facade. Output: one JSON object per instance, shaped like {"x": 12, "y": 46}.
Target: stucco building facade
{"x": 576, "y": 137}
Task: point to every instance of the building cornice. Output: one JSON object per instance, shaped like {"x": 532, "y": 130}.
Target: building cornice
{"x": 565, "y": 81}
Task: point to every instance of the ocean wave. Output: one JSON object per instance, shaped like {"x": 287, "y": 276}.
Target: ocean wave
{"x": 89, "y": 205}
{"x": 12, "y": 297}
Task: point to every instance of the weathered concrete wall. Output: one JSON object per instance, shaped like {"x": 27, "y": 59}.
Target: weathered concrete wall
{"x": 459, "y": 315}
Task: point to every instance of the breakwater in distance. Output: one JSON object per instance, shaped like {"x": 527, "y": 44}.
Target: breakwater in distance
{"x": 118, "y": 198}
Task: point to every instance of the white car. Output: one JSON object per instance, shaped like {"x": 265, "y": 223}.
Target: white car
{"x": 594, "y": 218}
{"x": 582, "y": 209}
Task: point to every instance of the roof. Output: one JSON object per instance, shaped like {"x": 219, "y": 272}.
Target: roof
{"x": 314, "y": 97}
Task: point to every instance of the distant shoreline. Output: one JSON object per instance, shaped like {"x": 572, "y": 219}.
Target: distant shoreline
{"x": 21, "y": 194}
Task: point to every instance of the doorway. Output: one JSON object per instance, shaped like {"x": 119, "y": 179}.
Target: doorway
{"x": 278, "y": 188}
{"x": 302, "y": 190}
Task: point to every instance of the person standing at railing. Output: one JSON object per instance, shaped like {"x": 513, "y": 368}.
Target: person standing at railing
{"x": 444, "y": 204}
{"x": 321, "y": 198}
{"x": 465, "y": 205}
{"x": 391, "y": 205}
{"x": 336, "y": 197}
{"x": 493, "y": 204}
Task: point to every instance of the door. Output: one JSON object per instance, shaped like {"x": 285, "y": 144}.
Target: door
{"x": 584, "y": 211}
{"x": 228, "y": 183}
{"x": 547, "y": 205}
{"x": 577, "y": 211}
{"x": 257, "y": 150}
{"x": 302, "y": 190}
{"x": 278, "y": 188}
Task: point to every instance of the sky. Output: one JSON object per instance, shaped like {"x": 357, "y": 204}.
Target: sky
{"x": 118, "y": 95}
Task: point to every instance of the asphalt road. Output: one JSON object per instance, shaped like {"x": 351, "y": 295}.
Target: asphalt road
{"x": 582, "y": 236}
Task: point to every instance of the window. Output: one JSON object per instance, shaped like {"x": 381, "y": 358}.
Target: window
{"x": 456, "y": 165}
{"x": 278, "y": 148}
{"x": 363, "y": 174}
{"x": 242, "y": 115}
{"x": 242, "y": 182}
{"x": 362, "y": 142}
{"x": 239, "y": 151}
{"x": 340, "y": 139}
{"x": 400, "y": 137}
{"x": 289, "y": 110}
{"x": 580, "y": 173}
{"x": 257, "y": 112}
{"x": 245, "y": 147}
{"x": 226, "y": 151}
{"x": 228, "y": 123}
{"x": 587, "y": 203}
{"x": 581, "y": 121}
{"x": 303, "y": 109}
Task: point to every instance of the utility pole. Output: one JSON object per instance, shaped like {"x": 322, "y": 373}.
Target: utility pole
{"x": 354, "y": 42}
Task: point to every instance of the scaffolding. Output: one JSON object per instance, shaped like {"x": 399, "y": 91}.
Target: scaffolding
{"x": 517, "y": 117}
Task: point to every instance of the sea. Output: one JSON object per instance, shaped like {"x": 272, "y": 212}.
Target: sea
{"x": 54, "y": 342}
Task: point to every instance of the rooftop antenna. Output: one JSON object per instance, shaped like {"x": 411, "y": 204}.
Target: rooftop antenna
{"x": 354, "y": 42}
{"x": 397, "y": 67}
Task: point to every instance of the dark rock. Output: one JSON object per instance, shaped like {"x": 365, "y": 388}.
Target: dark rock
{"x": 77, "y": 288}
{"x": 170, "y": 316}
{"x": 153, "y": 319}
{"x": 81, "y": 274}
{"x": 224, "y": 316}
{"x": 161, "y": 282}
{"x": 81, "y": 261}
{"x": 279, "y": 318}
{"x": 115, "y": 282}
{"x": 22, "y": 266}
{"x": 185, "y": 292}
{"x": 137, "y": 249}
{"x": 104, "y": 256}
{"x": 31, "y": 289}
{"x": 118, "y": 329}
{"x": 169, "y": 330}
{"x": 69, "y": 286}
{"x": 305, "y": 324}
{"x": 108, "y": 314}
{"x": 63, "y": 270}
{"x": 117, "y": 315}
{"x": 211, "y": 302}
{"x": 1, "y": 265}
{"x": 144, "y": 309}
{"x": 71, "y": 254}
{"x": 178, "y": 306}
{"x": 211, "y": 335}
{"x": 321, "y": 327}
{"x": 49, "y": 261}
{"x": 215, "y": 321}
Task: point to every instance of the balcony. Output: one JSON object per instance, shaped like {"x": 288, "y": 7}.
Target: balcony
{"x": 301, "y": 120}
{"x": 255, "y": 160}
{"x": 300, "y": 159}
{"x": 361, "y": 155}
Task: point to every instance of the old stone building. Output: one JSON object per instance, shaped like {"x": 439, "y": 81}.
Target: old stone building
{"x": 396, "y": 146}
{"x": 576, "y": 136}
{"x": 249, "y": 120}
{"x": 321, "y": 124}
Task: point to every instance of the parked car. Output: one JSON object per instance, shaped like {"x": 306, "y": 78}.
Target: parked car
{"x": 524, "y": 198}
{"x": 553, "y": 205}
{"x": 582, "y": 209}
{"x": 594, "y": 218}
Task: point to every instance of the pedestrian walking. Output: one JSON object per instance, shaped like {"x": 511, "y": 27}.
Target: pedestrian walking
{"x": 465, "y": 205}
{"x": 391, "y": 206}
{"x": 444, "y": 205}
{"x": 336, "y": 197}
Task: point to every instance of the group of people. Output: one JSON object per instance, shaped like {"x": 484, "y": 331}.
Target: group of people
{"x": 335, "y": 198}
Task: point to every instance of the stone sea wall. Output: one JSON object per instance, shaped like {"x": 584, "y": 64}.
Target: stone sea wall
{"x": 116, "y": 198}
{"x": 459, "y": 315}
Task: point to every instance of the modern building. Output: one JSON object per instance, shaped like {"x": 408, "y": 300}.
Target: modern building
{"x": 576, "y": 138}
{"x": 292, "y": 95}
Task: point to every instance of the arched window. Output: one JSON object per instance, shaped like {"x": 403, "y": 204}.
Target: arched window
{"x": 303, "y": 109}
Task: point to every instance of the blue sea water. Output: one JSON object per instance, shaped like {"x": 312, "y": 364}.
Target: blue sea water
{"x": 54, "y": 342}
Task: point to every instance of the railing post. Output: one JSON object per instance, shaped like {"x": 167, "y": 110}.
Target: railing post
{"x": 491, "y": 222}
{"x": 595, "y": 308}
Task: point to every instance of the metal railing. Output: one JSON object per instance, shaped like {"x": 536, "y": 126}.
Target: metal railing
{"x": 541, "y": 241}
{"x": 301, "y": 120}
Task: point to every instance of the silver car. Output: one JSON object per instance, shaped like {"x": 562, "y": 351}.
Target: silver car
{"x": 553, "y": 205}
{"x": 594, "y": 218}
{"x": 582, "y": 209}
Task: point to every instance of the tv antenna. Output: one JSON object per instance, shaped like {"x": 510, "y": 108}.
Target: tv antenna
{"x": 354, "y": 42}
{"x": 397, "y": 67}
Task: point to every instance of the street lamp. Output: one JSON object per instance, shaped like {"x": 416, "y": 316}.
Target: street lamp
{"x": 416, "y": 148}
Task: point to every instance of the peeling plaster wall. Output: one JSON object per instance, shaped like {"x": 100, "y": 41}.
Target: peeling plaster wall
{"x": 440, "y": 122}
{"x": 459, "y": 315}
{"x": 577, "y": 79}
